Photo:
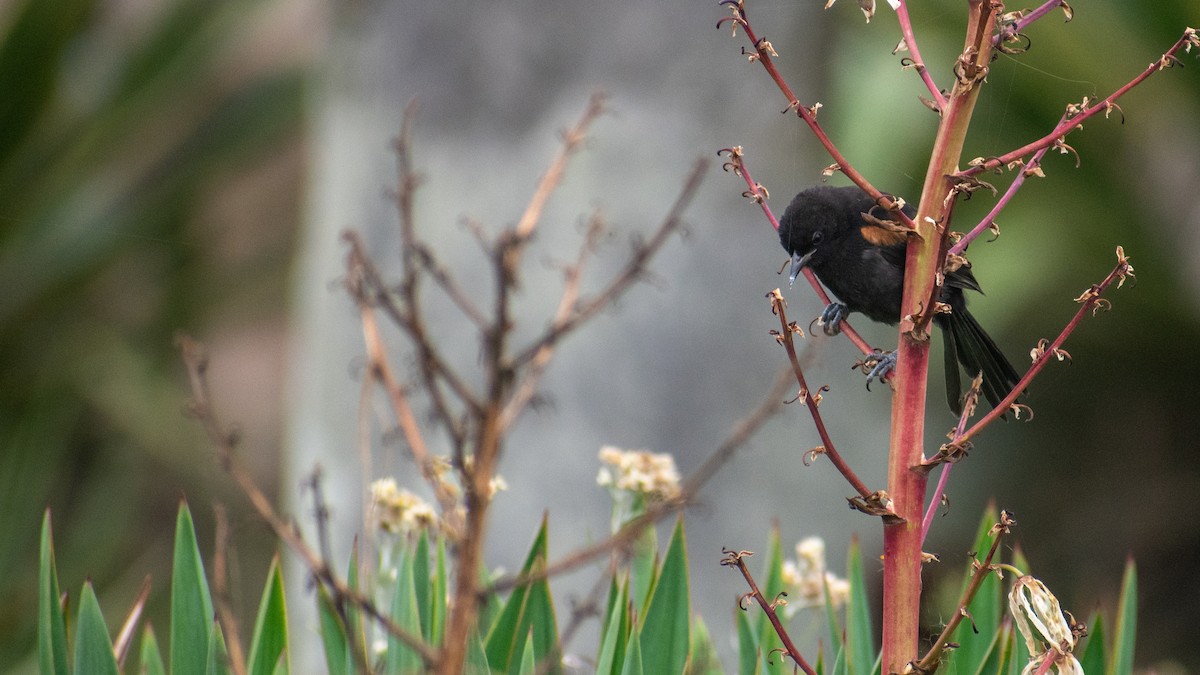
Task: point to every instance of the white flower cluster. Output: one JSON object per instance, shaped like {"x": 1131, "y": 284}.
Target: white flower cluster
{"x": 807, "y": 579}
{"x": 398, "y": 510}
{"x": 639, "y": 471}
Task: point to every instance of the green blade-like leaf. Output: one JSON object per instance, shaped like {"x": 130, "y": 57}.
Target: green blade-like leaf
{"x": 356, "y": 634}
{"x": 528, "y": 659}
{"x": 1093, "y": 658}
{"x": 702, "y": 656}
{"x": 839, "y": 663}
{"x": 633, "y": 656}
{"x": 93, "y": 647}
{"x": 191, "y": 602}
{"x": 217, "y": 654}
{"x": 616, "y": 634}
{"x": 52, "y": 626}
{"x": 150, "y": 657}
{"x": 269, "y": 642}
{"x": 860, "y": 645}
{"x": 338, "y": 658}
{"x": 422, "y": 586}
{"x": 644, "y": 561}
{"x": 503, "y": 635}
{"x": 540, "y": 621}
{"x": 437, "y": 600}
{"x": 1121, "y": 662}
{"x": 402, "y": 659}
{"x": 31, "y": 53}
{"x": 477, "y": 663}
{"x": 666, "y": 626}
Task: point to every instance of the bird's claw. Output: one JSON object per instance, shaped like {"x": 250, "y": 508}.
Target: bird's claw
{"x": 832, "y": 317}
{"x": 885, "y": 363}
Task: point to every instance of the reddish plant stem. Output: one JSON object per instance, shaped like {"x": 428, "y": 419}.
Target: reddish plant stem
{"x": 735, "y": 559}
{"x": 811, "y": 401}
{"x": 1065, "y": 127}
{"x": 906, "y": 488}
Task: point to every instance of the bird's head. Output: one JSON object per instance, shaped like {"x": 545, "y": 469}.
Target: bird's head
{"x": 816, "y": 221}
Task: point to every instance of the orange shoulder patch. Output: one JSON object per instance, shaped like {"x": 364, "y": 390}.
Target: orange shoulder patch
{"x": 880, "y": 236}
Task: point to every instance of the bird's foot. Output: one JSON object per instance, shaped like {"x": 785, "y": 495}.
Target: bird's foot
{"x": 832, "y": 317}
{"x": 880, "y": 365}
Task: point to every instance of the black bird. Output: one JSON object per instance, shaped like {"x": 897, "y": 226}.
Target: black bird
{"x": 863, "y": 265}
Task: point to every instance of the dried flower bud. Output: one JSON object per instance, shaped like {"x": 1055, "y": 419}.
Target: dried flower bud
{"x": 1039, "y": 617}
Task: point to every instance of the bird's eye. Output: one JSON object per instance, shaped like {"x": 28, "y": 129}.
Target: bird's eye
{"x": 817, "y": 236}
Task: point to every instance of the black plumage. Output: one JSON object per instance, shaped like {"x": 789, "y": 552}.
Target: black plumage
{"x": 863, "y": 265}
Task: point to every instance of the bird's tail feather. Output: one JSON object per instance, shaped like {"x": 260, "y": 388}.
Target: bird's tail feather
{"x": 968, "y": 344}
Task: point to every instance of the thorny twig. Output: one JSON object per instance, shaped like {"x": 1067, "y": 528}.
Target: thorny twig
{"x": 224, "y": 444}
{"x": 736, "y": 559}
{"x": 1010, "y": 30}
{"x": 1032, "y": 167}
{"x": 918, "y": 64}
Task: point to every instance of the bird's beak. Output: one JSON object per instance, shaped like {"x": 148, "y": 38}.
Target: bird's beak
{"x": 798, "y": 263}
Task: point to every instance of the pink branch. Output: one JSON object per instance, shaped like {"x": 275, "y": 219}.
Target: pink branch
{"x": 988, "y": 220}
{"x": 763, "y": 50}
{"x": 1090, "y": 301}
{"x": 910, "y": 41}
{"x": 1188, "y": 40}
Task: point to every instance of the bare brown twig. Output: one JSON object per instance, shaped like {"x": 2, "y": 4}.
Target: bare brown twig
{"x": 224, "y": 443}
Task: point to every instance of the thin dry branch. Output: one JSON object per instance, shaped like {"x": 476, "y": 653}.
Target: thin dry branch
{"x": 224, "y": 444}
{"x": 381, "y": 369}
{"x": 571, "y": 314}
